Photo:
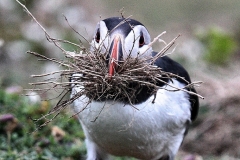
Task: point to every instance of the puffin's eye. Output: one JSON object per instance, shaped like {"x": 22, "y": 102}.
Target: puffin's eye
{"x": 97, "y": 36}
{"x": 141, "y": 41}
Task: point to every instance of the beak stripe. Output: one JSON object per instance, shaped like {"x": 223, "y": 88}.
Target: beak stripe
{"x": 114, "y": 56}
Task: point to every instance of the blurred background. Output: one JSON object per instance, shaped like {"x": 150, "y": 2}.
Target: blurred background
{"x": 208, "y": 48}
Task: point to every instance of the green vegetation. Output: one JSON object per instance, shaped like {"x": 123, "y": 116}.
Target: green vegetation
{"x": 18, "y": 141}
{"x": 219, "y": 46}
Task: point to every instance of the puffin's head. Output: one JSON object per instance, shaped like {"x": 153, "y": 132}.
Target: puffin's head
{"x": 120, "y": 38}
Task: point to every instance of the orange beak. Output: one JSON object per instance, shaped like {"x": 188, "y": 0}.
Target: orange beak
{"x": 115, "y": 53}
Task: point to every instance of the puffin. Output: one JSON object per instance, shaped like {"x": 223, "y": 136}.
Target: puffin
{"x": 147, "y": 131}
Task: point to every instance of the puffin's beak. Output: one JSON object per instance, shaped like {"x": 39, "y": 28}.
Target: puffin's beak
{"x": 115, "y": 54}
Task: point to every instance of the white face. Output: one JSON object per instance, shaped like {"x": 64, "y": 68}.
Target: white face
{"x": 135, "y": 44}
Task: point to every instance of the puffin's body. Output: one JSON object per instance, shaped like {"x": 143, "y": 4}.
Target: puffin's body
{"x": 148, "y": 131}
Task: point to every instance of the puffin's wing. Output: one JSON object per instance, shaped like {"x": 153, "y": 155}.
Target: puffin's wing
{"x": 169, "y": 65}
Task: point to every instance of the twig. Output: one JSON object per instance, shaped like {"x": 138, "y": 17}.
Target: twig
{"x": 43, "y": 29}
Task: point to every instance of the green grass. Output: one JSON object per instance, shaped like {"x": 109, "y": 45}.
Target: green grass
{"x": 22, "y": 143}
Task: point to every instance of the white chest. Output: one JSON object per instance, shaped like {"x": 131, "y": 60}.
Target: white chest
{"x": 148, "y": 126}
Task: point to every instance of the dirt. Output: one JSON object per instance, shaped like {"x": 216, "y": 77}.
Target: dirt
{"x": 217, "y": 129}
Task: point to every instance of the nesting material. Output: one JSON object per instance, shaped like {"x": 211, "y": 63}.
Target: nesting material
{"x": 129, "y": 79}
{"x": 89, "y": 71}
